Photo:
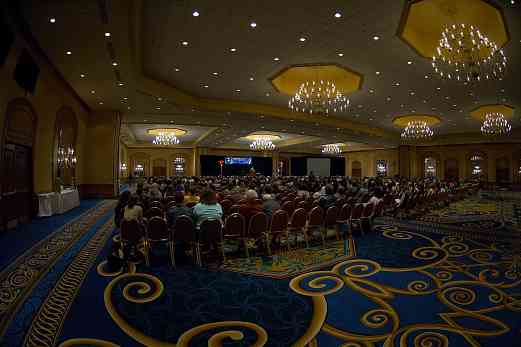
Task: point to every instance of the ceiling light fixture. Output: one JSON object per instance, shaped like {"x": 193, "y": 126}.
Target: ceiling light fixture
{"x": 52, "y": 20}
{"x": 253, "y": 24}
{"x": 302, "y": 39}
{"x": 233, "y": 49}
{"x": 184, "y": 43}
{"x": 417, "y": 130}
{"x": 68, "y": 52}
{"x": 195, "y": 14}
{"x": 262, "y": 144}
{"x": 376, "y": 38}
{"x": 114, "y": 64}
{"x": 82, "y": 75}
{"x": 107, "y": 34}
{"x": 332, "y": 148}
{"x": 166, "y": 139}
{"x": 177, "y": 69}
{"x": 377, "y": 72}
{"x": 338, "y": 15}
{"x": 276, "y": 58}
{"x": 495, "y": 124}
{"x": 465, "y": 54}
{"x": 340, "y": 54}
{"x": 318, "y": 97}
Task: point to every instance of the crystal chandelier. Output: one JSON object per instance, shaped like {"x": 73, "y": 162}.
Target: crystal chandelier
{"x": 417, "y": 130}
{"x": 66, "y": 157}
{"x": 465, "y": 54}
{"x": 331, "y": 149}
{"x": 262, "y": 144}
{"x": 165, "y": 139}
{"x": 495, "y": 124}
{"x": 317, "y": 97}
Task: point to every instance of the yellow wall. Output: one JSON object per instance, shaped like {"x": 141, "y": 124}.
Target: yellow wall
{"x": 368, "y": 160}
{"x": 147, "y": 155}
{"x": 52, "y": 93}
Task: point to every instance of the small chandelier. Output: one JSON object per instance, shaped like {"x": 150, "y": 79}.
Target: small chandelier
{"x": 417, "y": 130}
{"x": 66, "y": 157}
{"x": 316, "y": 97}
{"x": 331, "y": 149}
{"x": 495, "y": 124}
{"x": 165, "y": 139}
{"x": 465, "y": 54}
{"x": 262, "y": 144}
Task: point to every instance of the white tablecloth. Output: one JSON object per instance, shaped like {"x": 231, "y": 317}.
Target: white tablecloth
{"x": 57, "y": 203}
{"x": 47, "y": 204}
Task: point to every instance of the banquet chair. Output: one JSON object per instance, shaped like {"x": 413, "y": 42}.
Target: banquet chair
{"x": 344, "y": 216}
{"x": 210, "y": 236}
{"x": 279, "y": 226}
{"x": 289, "y": 207}
{"x": 297, "y": 225}
{"x": 330, "y": 221}
{"x": 315, "y": 222}
{"x": 257, "y": 231}
{"x": 154, "y": 212}
{"x": 356, "y": 214}
{"x": 226, "y": 204}
{"x": 183, "y": 234}
{"x": 235, "y": 209}
{"x": 366, "y": 220}
{"x": 157, "y": 233}
{"x": 156, "y": 203}
{"x": 234, "y": 230}
{"x": 131, "y": 235}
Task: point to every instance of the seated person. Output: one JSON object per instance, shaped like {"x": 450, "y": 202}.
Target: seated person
{"x": 207, "y": 208}
{"x": 119, "y": 210}
{"x": 251, "y": 206}
{"x": 191, "y": 197}
{"x": 133, "y": 211}
{"x": 178, "y": 210}
{"x": 270, "y": 204}
{"x": 329, "y": 199}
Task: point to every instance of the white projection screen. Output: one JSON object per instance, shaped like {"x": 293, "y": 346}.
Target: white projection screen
{"x": 319, "y": 166}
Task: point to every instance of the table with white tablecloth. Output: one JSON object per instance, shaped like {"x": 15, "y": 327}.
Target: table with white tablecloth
{"x": 57, "y": 202}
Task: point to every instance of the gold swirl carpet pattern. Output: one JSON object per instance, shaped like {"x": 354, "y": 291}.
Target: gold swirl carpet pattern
{"x": 45, "y": 327}
{"x": 467, "y": 290}
{"x": 18, "y": 279}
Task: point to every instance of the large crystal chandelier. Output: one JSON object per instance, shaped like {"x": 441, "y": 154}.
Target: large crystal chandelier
{"x": 417, "y": 130}
{"x": 262, "y": 144}
{"x": 165, "y": 139}
{"x": 465, "y": 54}
{"x": 331, "y": 149}
{"x": 495, "y": 124}
{"x": 317, "y": 97}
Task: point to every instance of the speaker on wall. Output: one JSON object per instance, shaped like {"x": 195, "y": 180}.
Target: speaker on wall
{"x": 6, "y": 40}
{"x": 26, "y": 72}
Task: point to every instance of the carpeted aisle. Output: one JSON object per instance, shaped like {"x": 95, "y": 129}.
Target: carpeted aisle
{"x": 398, "y": 286}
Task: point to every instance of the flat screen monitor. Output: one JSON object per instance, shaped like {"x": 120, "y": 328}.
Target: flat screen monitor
{"x": 237, "y": 160}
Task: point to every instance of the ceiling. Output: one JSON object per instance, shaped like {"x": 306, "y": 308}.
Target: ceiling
{"x": 158, "y": 80}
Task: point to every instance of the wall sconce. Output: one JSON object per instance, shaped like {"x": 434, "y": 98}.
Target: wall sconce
{"x": 66, "y": 157}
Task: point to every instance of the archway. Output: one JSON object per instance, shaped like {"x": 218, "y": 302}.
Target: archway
{"x": 65, "y": 136}
{"x": 17, "y": 163}
{"x": 503, "y": 170}
{"x": 356, "y": 169}
{"x": 451, "y": 169}
{"x": 159, "y": 167}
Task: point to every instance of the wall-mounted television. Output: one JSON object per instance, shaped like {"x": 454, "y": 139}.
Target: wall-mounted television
{"x": 237, "y": 161}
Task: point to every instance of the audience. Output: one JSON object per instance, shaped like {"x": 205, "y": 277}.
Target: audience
{"x": 178, "y": 210}
{"x": 270, "y": 204}
{"x": 251, "y": 206}
{"x": 133, "y": 211}
{"x": 120, "y": 208}
{"x": 207, "y": 208}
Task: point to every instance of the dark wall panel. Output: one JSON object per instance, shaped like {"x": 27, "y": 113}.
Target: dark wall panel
{"x": 210, "y": 166}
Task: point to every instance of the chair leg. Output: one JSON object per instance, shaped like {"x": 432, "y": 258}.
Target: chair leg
{"x": 172, "y": 253}
{"x": 224, "y": 253}
{"x": 287, "y": 240}
{"x": 268, "y": 242}
{"x": 147, "y": 251}
{"x": 198, "y": 254}
{"x": 306, "y": 238}
{"x": 246, "y": 249}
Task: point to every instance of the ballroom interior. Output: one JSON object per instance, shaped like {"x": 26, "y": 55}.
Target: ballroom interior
{"x": 404, "y": 112}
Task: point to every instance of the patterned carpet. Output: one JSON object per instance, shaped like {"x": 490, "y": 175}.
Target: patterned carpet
{"x": 398, "y": 286}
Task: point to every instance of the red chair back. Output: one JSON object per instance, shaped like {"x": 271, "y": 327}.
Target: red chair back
{"x": 184, "y": 230}
{"x": 345, "y": 213}
{"x": 379, "y": 209}
{"x": 258, "y": 225}
{"x": 210, "y": 230}
{"x": 331, "y": 216}
{"x": 289, "y": 207}
{"x": 298, "y": 219}
{"x": 235, "y": 209}
{"x": 368, "y": 211}
{"x": 226, "y": 204}
{"x": 235, "y": 226}
{"x": 131, "y": 231}
{"x": 316, "y": 216}
{"x": 154, "y": 212}
{"x": 356, "y": 212}
{"x": 157, "y": 229}
{"x": 279, "y": 221}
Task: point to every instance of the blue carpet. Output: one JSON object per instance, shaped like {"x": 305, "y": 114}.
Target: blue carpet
{"x": 26, "y": 235}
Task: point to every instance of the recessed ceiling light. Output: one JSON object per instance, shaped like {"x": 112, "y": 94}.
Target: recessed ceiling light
{"x": 195, "y": 14}
{"x": 205, "y": 86}
{"x": 338, "y": 15}
{"x": 411, "y": 93}
{"x": 447, "y": 97}
{"x": 388, "y": 98}
{"x": 68, "y": 52}
{"x": 253, "y": 24}
{"x": 360, "y": 106}
{"x": 377, "y": 72}
{"x": 233, "y": 49}
{"x": 426, "y": 76}
{"x": 215, "y": 73}
{"x": 276, "y": 59}
{"x": 82, "y": 75}
{"x": 101, "y": 102}
{"x": 171, "y": 121}
{"x": 376, "y": 38}
{"x": 371, "y": 91}
{"x": 267, "y": 94}
{"x": 125, "y": 98}
{"x": 107, "y": 34}
{"x": 52, "y": 20}
{"x": 340, "y": 54}
{"x": 114, "y": 64}
{"x": 177, "y": 69}
{"x": 302, "y": 39}
{"x": 92, "y": 91}
{"x": 121, "y": 84}
{"x": 184, "y": 43}
{"x": 158, "y": 108}
{"x": 438, "y": 88}
{"x": 237, "y": 90}
{"x": 129, "y": 108}
{"x": 251, "y": 78}
{"x": 409, "y": 62}
{"x": 397, "y": 84}
{"x": 145, "y": 120}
